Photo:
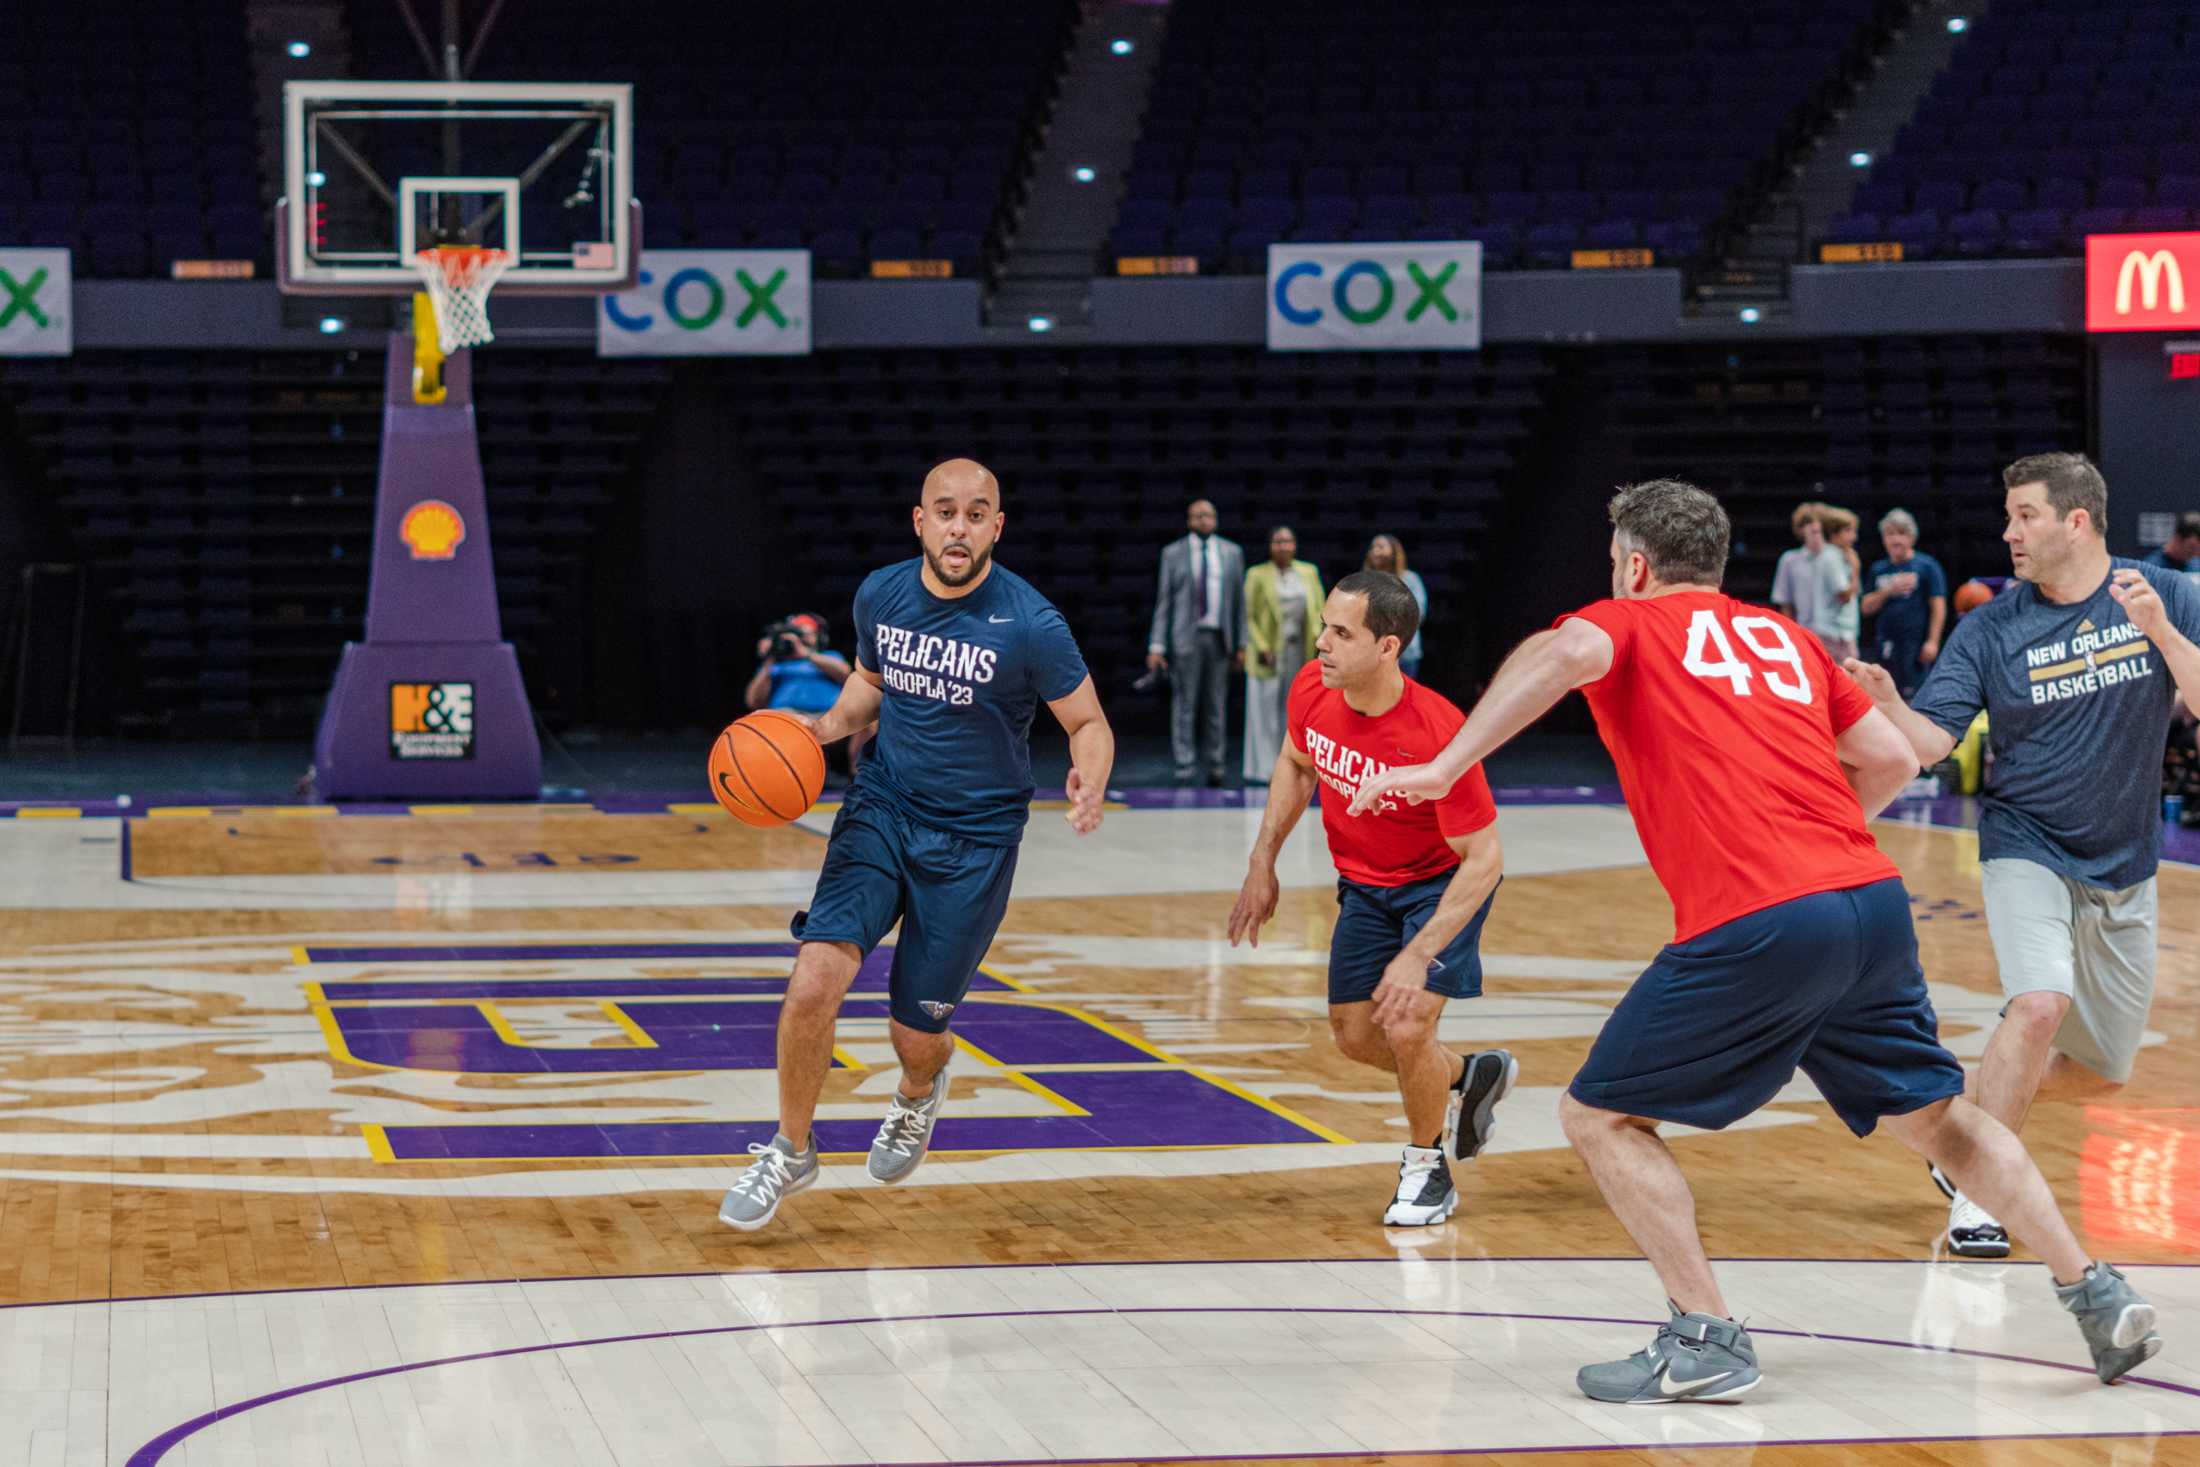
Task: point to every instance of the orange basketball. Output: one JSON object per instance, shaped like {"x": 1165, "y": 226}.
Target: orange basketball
{"x": 767, "y": 768}
{"x": 1971, "y": 595}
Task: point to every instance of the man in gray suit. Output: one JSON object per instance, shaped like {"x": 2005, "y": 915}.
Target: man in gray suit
{"x": 1199, "y": 636}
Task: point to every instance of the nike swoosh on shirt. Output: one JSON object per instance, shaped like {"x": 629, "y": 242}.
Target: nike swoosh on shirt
{"x": 997, "y": 620}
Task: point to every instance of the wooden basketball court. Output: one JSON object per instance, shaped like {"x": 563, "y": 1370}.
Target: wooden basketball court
{"x": 398, "y": 1136}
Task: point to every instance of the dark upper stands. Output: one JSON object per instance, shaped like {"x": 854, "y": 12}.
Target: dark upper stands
{"x": 130, "y": 140}
{"x": 2057, "y": 119}
{"x": 863, "y": 130}
{"x": 1537, "y": 129}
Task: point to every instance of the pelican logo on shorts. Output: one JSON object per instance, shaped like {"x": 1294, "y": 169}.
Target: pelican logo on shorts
{"x": 432, "y": 530}
{"x": 935, "y": 1008}
{"x": 431, "y": 720}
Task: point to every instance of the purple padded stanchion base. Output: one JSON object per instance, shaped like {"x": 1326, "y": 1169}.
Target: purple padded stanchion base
{"x": 355, "y": 756}
{"x": 430, "y": 705}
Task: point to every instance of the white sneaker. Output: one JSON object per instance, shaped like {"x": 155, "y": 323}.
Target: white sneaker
{"x": 1973, "y": 1232}
{"x": 1425, "y": 1193}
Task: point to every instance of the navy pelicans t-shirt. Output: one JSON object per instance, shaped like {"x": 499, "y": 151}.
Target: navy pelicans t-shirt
{"x": 963, "y": 678}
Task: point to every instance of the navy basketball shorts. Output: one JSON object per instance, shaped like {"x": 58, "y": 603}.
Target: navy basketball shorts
{"x": 1828, "y": 984}
{"x": 948, "y": 894}
{"x": 1374, "y": 923}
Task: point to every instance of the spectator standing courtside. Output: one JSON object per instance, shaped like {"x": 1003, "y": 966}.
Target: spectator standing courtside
{"x": 2181, "y": 551}
{"x": 1796, "y": 583}
{"x": 1283, "y": 601}
{"x": 1198, "y": 635}
{"x": 1841, "y": 572}
{"x": 1908, "y": 602}
{"x": 1388, "y": 553}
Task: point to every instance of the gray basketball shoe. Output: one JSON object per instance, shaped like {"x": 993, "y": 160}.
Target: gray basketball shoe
{"x": 776, "y": 1173}
{"x": 2117, "y": 1323}
{"x": 1694, "y": 1357}
{"x": 906, "y": 1134}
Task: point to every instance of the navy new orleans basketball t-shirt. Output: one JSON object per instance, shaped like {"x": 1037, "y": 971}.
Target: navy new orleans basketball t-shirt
{"x": 963, "y": 678}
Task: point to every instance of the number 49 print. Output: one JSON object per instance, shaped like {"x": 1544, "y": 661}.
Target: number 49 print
{"x": 1761, "y": 635}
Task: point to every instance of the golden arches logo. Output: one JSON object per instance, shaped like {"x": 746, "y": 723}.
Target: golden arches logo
{"x": 2148, "y": 271}
{"x": 431, "y": 530}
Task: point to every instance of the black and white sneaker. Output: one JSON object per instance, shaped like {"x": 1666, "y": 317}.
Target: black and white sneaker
{"x": 1973, "y": 1232}
{"x": 1940, "y": 1180}
{"x": 1472, "y": 1117}
{"x": 1425, "y": 1193}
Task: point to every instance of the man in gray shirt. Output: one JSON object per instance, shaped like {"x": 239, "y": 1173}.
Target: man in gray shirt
{"x": 2077, "y": 668}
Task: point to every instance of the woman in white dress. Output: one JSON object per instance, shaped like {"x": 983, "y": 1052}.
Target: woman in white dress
{"x": 1283, "y": 608}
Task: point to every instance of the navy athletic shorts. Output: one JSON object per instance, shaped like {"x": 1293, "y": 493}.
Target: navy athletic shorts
{"x": 1374, "y": 923}
{"x": 948, "y": 894}
{"x": 1828, "y": 984}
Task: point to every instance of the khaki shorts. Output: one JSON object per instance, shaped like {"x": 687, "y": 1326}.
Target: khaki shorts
{"x": 2094, "y": 946}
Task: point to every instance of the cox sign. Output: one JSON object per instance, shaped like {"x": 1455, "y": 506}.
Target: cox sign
{"x": 1359, "y": 297}
{"x": 35, "y": 297}
{"x": 704, "y": 303}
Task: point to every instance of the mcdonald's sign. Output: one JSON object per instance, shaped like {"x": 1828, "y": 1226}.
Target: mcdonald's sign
{"x": 2142, "y": 282}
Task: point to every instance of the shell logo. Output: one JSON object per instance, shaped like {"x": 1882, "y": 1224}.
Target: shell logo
{"x": 431, "y": 530}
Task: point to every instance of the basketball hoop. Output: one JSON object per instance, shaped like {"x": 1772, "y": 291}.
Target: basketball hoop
{"x": 458, "y": 280}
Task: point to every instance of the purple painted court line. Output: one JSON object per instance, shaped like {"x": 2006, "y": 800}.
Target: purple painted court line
{"x": 153, "y": 1451}
{"x": 872, "y": 977}
{"x": 1127, "y": 1109}
{"x": 493, "y": 952}
{"x": 839, "y": 1268}
{"x": 696, "y": 1034}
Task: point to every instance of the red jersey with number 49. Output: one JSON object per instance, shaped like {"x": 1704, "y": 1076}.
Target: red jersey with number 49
{"x": 1397, "y": 844}
{"x": 1722, "y": 718}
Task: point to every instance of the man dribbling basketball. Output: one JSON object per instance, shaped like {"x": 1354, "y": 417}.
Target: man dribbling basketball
{"x": 953, "y": 655}
{"x": 1750, "y": 763}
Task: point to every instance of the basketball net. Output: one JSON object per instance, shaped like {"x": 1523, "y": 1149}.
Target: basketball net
{"x": 458, "y": 280}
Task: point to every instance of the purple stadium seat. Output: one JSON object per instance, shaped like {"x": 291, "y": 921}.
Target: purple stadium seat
{"x": 2119, "y": 193}
{"x": 2179, "y": 189}
{"x": 2002, "y": 194}
{"x": 2035, "y": 232}
{"x": 1975, "y": 232}
{"x": 2061, "y": 193}
{"x": 2155, "y": 217}
{"x": 1938, "y": 198}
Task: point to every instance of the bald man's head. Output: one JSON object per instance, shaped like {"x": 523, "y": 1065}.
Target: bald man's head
{"x": 1200, "y": 516}
{"x": 958, "y": 517}
{"x": 962, "y": 476}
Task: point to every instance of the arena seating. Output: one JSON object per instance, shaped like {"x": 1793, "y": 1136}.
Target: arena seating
{"x": 2057, "y": 119}
{"x": 1923, "y": 424}
{"x": 1099, "y": 463}
{"x": 1537, "y": 129}
{"x": 228, "y": 502}
{"x": 132, "y": 144}
{"x": 862, "y": 131}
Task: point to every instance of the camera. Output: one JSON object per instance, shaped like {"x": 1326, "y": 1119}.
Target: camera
{"x": 786, "y": 636}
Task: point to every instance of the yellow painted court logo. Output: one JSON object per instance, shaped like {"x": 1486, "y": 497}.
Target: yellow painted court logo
{"x": 431, "y": 720}
{"x": 432, "y": 530}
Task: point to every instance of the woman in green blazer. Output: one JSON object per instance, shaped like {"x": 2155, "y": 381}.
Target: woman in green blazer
{"x": 1283, "y": 616}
